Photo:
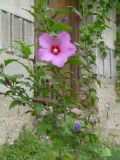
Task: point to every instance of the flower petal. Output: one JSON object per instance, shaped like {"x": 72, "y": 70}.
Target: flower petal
{"x": 69, "y": 51}
{"x": 46, "y": 40}
{"x": 65, "y": 45}
{"x": 59, "y": 60}
{"x": 44, "y": 55}
{"x": 63, "y": 37}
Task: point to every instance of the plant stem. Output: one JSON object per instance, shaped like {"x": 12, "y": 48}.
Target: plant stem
{"x": 60, "y": 154}
{"x": 64, "y": 99}
{"x": 43, "y": 22}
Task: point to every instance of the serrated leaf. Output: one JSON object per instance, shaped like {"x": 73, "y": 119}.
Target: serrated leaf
{"x": 15, "y": 103}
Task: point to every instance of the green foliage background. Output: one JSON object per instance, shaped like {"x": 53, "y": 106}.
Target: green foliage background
{"x": 29, "y": 147}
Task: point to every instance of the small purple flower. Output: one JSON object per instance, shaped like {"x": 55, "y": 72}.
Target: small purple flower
{"x": 77, "y": 127}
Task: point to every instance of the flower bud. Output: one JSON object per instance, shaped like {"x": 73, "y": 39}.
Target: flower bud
{"x": 78, "y": 16}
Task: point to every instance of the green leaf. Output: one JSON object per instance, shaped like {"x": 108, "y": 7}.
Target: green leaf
{"x": 59, "y": 27}
{"x": 50, "y": 23}
{"x": 68, "y": 99}
{"x": 58, "y": 142}
{"x": 74, "y": 61}
{"x": 105, "y": 152}
{"x": 8, "y": 61}
{"x": 15, "y": 103}
{"x": 13, "y": 78}
{"x": 24, "y": 48}
{"x": 67, "y": 131}
{"x": 47, "y": 9}
{"x": 38, "y": 108}
{"x": 43, "y": 128}
{"x": 68, "y": 156}
{"x": 2, "y": 81}
{"x": 61, "y": 11}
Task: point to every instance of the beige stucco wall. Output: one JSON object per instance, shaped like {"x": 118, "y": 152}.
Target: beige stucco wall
{"x": 109, "y": 111}
{"x": 12, "y": 120}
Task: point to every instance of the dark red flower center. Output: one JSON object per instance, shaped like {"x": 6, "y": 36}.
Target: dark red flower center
{"x": 55, "y": 49}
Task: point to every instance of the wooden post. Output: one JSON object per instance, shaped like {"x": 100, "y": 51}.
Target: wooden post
{"x": 75, "y": 69}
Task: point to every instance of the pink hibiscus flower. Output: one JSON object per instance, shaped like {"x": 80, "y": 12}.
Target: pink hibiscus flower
{"x": 56, "y": 50}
